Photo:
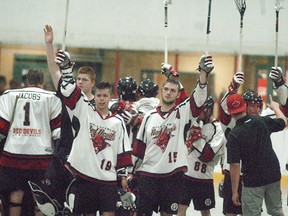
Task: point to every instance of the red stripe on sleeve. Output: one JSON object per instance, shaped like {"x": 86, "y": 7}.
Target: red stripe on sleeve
{"x": 4, "y": 126}
{"x": 55, "y": 123}
{"x": 124, "y": 160}
{"x": 139, "y": 149}
{"x": 74, "y": 97}
{"x": 195, "y": 110}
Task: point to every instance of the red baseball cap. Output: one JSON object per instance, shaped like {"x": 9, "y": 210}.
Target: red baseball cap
{"x": 235, "y": 104}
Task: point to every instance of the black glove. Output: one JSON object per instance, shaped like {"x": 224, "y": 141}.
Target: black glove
{"x": 169, "y": 71}
{"x": 206, "y": 64}
{"x": 65, "y": 65}
{"x": 276, "y": 75}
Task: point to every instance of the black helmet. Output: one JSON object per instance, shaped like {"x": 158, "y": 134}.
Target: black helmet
{"x": 126, "y": 88}
{"x": 252, "y": 97}
{"x": 209, "y": 103}
{"x": 147, "y": 88}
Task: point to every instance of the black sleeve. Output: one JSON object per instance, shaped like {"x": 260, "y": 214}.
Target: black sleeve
{"x": 274, "y": 125}
{"x": 233, "y": 150}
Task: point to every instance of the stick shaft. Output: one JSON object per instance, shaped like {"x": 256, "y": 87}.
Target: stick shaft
{"x": 208, "y": 26}
{"x": 166, "y": 35}
{"x": 65, "y": 26}
{"x": 276, "y": 39}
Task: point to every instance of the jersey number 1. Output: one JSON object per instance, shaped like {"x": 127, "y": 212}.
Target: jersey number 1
{"x": 26, "y": 108}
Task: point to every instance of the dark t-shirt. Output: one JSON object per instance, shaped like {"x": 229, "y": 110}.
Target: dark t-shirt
{"x": 250, "y": 142}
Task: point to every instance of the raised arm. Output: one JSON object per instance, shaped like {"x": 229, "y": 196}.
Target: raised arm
{"x": 276, "y": 108}
{"x": 276, "y": 75}
{"x": 52, "y": 66}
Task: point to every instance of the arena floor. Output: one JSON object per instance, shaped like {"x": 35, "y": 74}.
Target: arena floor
{"x": 219, "y": 201}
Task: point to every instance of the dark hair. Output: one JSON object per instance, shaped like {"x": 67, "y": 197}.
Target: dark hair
{"x": 35, "y": 77}
{"x": 3, "y": 79}
{"x": 103, "y": 85}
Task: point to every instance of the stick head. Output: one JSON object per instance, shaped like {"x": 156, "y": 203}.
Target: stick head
{"x": 279, "y": 5}
{"x": 166, "y": 2}
{"x": 241, "y": 5}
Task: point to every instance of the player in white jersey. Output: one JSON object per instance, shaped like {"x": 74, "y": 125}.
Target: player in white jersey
{"x": 160, "y": 145}
{"x": 205, "y": 142}
{"x": 57, "y": 176}
{"x": 30, "y": 121}
{"x": 100, "y": 149}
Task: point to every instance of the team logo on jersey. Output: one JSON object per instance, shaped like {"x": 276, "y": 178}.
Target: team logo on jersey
{"x": 163, "y": 136}
{"x": 174, "y": 207}
{"x": 99, "y": 143}
{"x": 99, "y": 136}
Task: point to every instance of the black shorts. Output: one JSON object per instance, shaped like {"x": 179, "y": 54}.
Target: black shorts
{"x": 202, "y": 194}
{"x": 228, "y": 205}
{"x": 92, "y": 197}
{"x": 159, "y": 194}
{"x": 12, "y": 179}
{"x": 57, "y": 179}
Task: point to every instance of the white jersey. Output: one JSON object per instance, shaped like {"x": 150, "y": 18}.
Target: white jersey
{"x": 31, "y": 120}
{"x": 161, "y": 141}
{"x": 101, "y": 145}
{"x": 205, "y": 153}
{"x": 144, "y": 105}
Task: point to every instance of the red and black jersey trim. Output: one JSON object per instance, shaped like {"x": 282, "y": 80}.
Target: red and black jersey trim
{"x": 124, "y": 160}
{"x": 72, "y": 100}
{"x": 4, "y": 126}
{"x": 29, "y": 162}
{"x": 56, "y": 122}
{"x": 139, "y": 149}
{"x": 197, "y": 180}
{"x": 194, "y": 109}
{"x": 164, "y": 175}
{"x": 87, "y": 178}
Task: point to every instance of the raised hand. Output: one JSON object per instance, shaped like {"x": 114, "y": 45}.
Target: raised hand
{"x": 276, "y": 75}
{"x": 238, "y": 79}
{"x": 169, "y": 71}
{"x": 48, "y": 34}
{"x": 206, "y": 64}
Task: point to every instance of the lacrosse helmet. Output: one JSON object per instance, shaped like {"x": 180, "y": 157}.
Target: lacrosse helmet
{"x": 127, "y": 88}
{"x": 147, "y": 88}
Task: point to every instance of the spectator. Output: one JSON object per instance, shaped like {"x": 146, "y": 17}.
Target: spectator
{"x": 259, "y": 163}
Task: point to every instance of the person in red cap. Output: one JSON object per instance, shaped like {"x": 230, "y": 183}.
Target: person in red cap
{"x": 249, "y": 142}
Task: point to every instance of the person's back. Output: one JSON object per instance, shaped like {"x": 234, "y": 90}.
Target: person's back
{"x": 30, "y": 119}
{"x": 260, "y": 164}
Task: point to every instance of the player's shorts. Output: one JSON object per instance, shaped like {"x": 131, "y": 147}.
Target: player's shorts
{"x": 202, "y": 194}
{"x": 92, "y": 197}
{"x": 12, "y": 179}
{"x": 228, "y": 205}
{"x": 159, "y": 194}
{"x": 57, "y": 179}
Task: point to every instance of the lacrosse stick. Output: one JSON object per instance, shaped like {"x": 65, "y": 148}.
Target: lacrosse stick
{"x": 278, "y": 7}
{"x": 208, "y": 26}
{"x": 65, "y": 26}
{"x": 241, "y": 5}
{"x": 166, "y": 2}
